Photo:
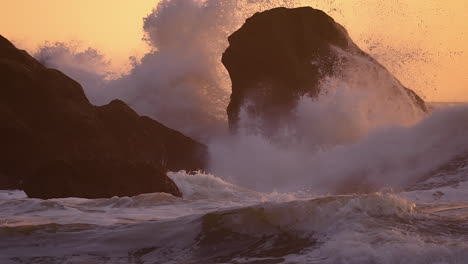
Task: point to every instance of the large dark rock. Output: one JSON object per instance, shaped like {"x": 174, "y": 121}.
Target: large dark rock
{"x": 98, "y": 178}
{"x": 54, "y": 143}
{"x": 281, "y": 54}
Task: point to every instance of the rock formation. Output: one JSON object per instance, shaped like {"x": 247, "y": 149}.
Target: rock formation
{"x": 54, "y": 143}
{"x": 281, "y": 54}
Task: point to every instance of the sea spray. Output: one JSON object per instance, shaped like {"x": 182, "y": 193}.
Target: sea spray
{"x": 387, "y": 157}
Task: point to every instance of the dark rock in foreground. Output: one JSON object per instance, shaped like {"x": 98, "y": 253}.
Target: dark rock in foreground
{"x": 98, "y": 178}
{"x": 282, "y": 54}
{"x": 54, "y": 143}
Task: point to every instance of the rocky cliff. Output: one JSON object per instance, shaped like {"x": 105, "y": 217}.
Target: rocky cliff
{"x": 54, "y": 143}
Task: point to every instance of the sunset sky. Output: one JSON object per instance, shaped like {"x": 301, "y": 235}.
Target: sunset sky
{"x": 423, "y": 42}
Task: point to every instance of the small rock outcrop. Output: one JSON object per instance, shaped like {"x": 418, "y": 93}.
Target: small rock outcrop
{"x": 54, "y": 143}
{"x": 281, "y": 54}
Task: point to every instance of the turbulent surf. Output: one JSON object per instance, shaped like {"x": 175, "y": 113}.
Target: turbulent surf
{"x": 218, "y": 222}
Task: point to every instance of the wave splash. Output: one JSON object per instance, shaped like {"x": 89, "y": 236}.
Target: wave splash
{"x": 386, "y": 157}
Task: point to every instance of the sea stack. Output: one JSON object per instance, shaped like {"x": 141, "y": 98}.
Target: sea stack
{"x": 55, "y": 143}
{"x": 282, "y": 54}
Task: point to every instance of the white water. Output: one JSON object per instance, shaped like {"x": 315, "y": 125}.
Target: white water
{"x": 410, "y": 227}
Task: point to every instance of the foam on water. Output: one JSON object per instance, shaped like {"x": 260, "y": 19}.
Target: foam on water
{"x": 376, "y": 228}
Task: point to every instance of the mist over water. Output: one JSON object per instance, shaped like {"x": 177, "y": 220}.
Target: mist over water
{"x": 390, "y": 157}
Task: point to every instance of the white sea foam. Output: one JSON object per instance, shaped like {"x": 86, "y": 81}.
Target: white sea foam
{"x": 377, "y": 228}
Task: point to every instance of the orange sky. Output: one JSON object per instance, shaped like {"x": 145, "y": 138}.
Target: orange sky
{"x": 111, "y": 26}
{"x": 423, "y": 42}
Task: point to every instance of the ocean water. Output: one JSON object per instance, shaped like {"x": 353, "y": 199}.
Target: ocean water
{"x": 219, "y": 222}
